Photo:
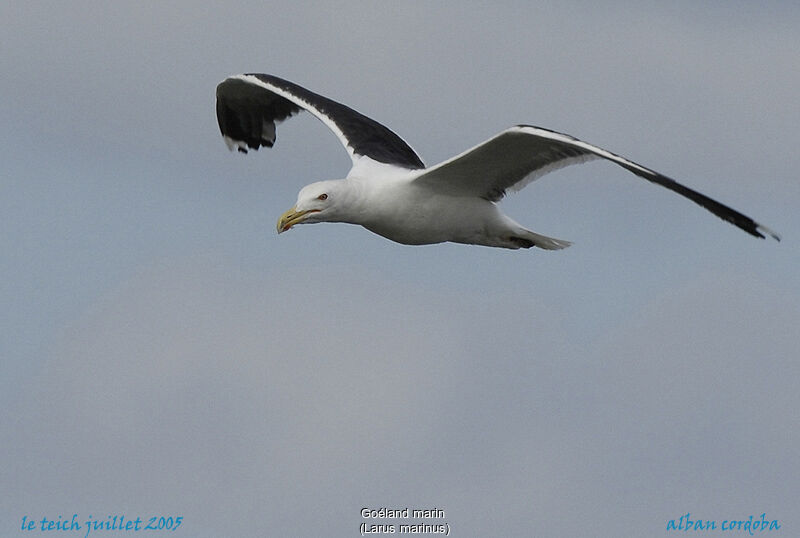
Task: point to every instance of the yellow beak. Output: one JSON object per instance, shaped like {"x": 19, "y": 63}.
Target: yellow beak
{"x": 292, "y": 217}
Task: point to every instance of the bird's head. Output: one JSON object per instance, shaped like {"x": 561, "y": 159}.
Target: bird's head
{"x": 318, "y": 202}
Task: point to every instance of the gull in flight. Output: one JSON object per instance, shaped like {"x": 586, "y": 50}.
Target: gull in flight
{"x": 390, "y": 192}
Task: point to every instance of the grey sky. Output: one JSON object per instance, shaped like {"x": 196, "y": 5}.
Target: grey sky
{"x": 164, "y": 352}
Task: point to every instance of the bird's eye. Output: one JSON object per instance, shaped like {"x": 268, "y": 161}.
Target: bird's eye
{"x": 322, "y": 196}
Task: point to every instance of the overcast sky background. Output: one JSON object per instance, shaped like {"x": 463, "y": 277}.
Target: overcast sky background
{"x": 164, "y": 352}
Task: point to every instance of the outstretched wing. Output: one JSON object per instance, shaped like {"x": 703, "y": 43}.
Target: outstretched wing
{"x": 521, "y": 154}
{"x": 249, "y": 106}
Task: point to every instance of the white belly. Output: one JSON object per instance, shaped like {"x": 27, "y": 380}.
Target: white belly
{"x": 438, "y": 218}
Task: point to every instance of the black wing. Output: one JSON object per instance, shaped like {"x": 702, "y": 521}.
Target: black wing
{"x": 249, "y": 106}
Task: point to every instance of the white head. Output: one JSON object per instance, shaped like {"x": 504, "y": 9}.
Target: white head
{"x": 324, "y": 201}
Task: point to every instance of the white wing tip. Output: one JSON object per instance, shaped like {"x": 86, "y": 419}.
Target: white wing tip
{"x": 234, "y": 144}
{"x": 763, "y": 229}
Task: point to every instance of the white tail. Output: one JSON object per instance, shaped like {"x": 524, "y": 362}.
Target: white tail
{"x": 528, "y": 239}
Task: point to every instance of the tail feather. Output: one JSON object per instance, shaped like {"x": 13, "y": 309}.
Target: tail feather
{"x": 528, "y": 239}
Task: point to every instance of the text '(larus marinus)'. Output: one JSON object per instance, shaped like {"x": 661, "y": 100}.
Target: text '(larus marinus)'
{"x": 392, "y": 193}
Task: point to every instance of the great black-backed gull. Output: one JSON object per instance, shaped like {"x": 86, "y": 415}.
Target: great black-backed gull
{"x": 392, "y": 193}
